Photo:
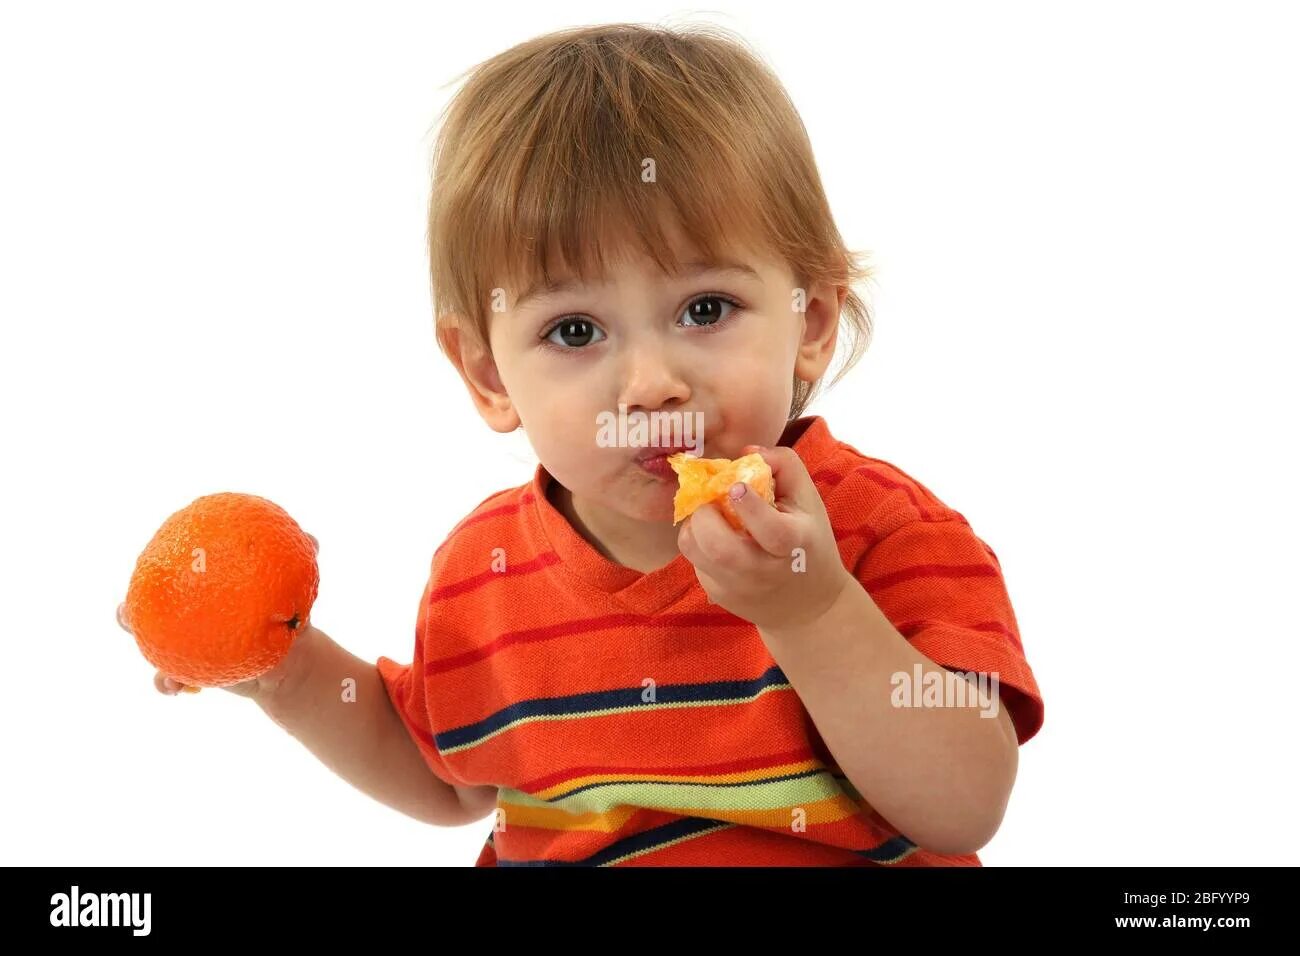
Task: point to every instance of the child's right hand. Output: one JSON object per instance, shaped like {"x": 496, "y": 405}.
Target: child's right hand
{"x": 258, "y": 687}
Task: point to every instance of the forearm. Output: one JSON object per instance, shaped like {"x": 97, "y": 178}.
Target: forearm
{"x": 362, "y": 739}
{"x": 941, "y": 775}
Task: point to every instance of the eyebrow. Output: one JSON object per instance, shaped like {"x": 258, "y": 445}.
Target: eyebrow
{"x": 543, "y": 290}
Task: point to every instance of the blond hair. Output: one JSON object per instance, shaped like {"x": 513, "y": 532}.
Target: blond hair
{"x": 542, "y": 157}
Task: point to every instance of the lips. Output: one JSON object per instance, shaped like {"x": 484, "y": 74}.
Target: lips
{"x": 657, "y": 452}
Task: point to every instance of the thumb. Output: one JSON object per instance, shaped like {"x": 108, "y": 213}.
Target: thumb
{"x": 790, "y": 479}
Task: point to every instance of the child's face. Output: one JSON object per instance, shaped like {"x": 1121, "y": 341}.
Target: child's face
{"x": 568, "y": 360}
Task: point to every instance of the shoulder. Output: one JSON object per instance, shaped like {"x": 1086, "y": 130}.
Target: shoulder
{"x": 497, "y": 509}
{"x": 876, "y": 492}
{"x": 496, "y": 521}
{"x": 872, "y": 500}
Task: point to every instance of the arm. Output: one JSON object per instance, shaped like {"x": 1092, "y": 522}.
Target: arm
{"x": 363, "y": 741}
{"x": 941, "y": 775}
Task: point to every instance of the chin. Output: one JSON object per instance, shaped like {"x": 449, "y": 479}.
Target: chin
{"x": 657, "y": 506}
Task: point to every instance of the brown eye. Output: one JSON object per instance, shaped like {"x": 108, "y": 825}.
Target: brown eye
{"x": 574, "y": 333}
{"x": 707, "y": 310}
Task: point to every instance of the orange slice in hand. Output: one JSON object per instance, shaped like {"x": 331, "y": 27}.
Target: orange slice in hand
{"x": 702, "y": 480}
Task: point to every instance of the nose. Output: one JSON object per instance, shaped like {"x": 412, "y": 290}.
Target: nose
{"x": 651, "y": 379}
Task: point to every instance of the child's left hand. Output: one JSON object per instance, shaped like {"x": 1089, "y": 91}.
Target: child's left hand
{"x": 787, "y": 571}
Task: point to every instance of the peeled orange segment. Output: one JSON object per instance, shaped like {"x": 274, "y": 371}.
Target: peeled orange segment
{"x": 702, "y": 480}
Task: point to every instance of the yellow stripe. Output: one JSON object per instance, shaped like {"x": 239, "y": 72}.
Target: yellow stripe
{"x": 553, "y": 818}
{"x": 745, "y": 776}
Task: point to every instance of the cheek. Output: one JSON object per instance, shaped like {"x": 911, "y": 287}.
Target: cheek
{"x": 563, "y": 429}
{"x": 757, "y": 363}
{"x": 756, "y": 385}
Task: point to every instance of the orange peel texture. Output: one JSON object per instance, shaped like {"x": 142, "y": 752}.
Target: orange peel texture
{"x": 222, "y": 590}
{"x": 704, "y": 480}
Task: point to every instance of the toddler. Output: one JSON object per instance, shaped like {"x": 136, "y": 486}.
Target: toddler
{"x": 840, "y": 680}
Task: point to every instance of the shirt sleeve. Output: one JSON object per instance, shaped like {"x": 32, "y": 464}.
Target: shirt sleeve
{"x": 942, "y": 588}
{"x": 405, "y": 685}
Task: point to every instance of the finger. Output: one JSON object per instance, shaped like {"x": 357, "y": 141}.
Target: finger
{"x": 170, "y": 686}
{"x": 165, "y": 685}
{"x": 789, "y": 475}
{"x": 716, "y": 542}
{"x": 771, "y": 529}
{"x": 314, "y": 543}
{"x": 690, "y": 549}
{"x": 688, "y": 540}
{"x": 121, "y": 617}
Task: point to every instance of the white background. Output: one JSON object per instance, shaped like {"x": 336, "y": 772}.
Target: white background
{"x": 212, "y": 277}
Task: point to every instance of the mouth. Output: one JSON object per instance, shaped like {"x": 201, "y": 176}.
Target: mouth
{"x": 662, "y": 451}
{"x": 654, "y": 461}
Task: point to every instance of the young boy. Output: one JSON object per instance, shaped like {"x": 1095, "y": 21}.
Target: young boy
{"x": 614, "y": 688}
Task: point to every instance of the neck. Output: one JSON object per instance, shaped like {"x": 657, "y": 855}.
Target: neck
{"x": 644, "y": 546}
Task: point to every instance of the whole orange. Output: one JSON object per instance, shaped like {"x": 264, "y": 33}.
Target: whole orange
{"x": 221, "y": 591}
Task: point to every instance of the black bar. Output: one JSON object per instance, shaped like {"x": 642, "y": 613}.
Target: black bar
{"x": 330, "y": 906}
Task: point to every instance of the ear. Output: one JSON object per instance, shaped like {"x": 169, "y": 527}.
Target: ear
{"x": 821, "y": 324}
{"x": 477, "y": 368}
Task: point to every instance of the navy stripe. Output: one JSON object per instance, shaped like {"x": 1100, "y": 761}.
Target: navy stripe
{"x": 647, "y": 840}
{"x": 888, "y": 850}
{"x": 690, "y": 826}
{"x": 625, "y": 697}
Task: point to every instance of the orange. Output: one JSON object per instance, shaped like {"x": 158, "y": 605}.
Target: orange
{"x": 222, "y": 589}
{"x": 704, "y": 480}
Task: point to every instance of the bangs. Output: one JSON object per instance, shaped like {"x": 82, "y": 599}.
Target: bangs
{"x": 587, "y": 147}
{"x": 622, "y": 140}
{"x": 586, "y": 199}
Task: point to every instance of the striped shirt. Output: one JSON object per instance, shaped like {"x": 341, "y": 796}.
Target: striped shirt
{"x": 625, "y": 720}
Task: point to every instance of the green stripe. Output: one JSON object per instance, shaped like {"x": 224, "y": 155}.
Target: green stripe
{"x": 768, "y": 794}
